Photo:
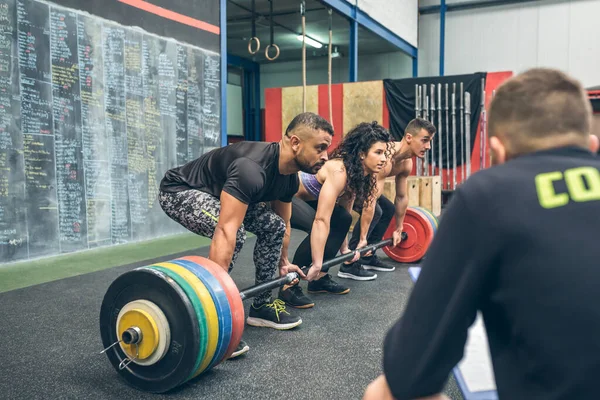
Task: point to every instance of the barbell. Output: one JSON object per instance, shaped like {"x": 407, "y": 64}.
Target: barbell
{"x": 164, "y": 324}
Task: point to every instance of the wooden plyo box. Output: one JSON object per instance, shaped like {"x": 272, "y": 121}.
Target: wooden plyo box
{"x": 423, "y": 191}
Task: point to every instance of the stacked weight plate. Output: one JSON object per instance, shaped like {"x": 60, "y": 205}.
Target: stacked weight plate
{"x": 420, "y": 226}
{"x": 188, "y": 313}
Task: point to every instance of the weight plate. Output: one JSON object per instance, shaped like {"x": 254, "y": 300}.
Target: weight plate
{"x": 148, "y": 329}
{"x": 233, "y": 295}
{"x": 156, "y": 287}
{"x": 163, "y": 332}
{"x": 430, "y": 213}
{"x": 429, "y": 216}
{"x": 221, "y": 302}
{"x": 420, "y": 234}
{"x": 204, "y": 307}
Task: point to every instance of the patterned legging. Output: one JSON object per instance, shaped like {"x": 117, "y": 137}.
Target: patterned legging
{"x": 199, "y": 212}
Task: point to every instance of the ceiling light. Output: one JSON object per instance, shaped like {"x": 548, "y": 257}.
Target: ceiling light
{"x": 310, "y": 41}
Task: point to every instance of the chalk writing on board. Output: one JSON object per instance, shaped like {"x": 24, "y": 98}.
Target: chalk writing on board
{"x": 92, "y": 114}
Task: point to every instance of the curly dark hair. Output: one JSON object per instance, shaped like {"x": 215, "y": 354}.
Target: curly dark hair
{"x": 359, "y": 140}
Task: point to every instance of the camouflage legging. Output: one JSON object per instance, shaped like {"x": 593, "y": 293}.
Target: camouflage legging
{"x": 199, "y": 212}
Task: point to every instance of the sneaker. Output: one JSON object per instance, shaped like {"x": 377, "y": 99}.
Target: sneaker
{"x": 241, "y": 349}
{"x": 294, "y": 297}
{"x": 374, "y": 263}
{"x": 356, "y": 271}
{"x": 327, "y": 285}
{"x": 272, "y": 315}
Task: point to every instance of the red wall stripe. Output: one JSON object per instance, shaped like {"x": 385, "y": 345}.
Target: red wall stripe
{"x": 492, "y": 81}
{"x": 273, "y": 116}
{"x": 172, "y": 15}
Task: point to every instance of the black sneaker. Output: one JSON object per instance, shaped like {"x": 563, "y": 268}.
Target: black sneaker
{"x": 373, "y": 262}
{"x": 327, "y": 285}
{"x": 241, "y": 349}
{"x": 272, "y": 315}
{"x": 294, "y": 297}
{"x": 356, "y": 271}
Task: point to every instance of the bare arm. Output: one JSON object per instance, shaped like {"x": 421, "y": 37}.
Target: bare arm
{"x": 332, "y": 187}
{"x": 401, "y": 199}
{"x": 230, "y": 219}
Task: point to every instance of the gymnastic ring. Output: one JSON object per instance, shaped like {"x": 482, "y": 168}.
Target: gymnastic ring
{"x": 252, "y": 39}
{"x": 267, "y": 52}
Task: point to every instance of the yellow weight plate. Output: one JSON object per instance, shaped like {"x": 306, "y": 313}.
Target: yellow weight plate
{"x": 208, "y": 305}
{"x": 147, "y": 325}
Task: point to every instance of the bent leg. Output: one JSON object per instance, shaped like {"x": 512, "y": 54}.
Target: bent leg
{"x": 269, "y": 229}
{"x": 199, "y": 213}
{"x": 388, "y": 210}
{"x": 356, "y": 231}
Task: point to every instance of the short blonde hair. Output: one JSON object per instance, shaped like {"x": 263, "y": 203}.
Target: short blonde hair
{"x": 538, "y": 105}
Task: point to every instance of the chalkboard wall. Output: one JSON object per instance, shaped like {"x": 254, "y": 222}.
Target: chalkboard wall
{"x": 92, "y": 114}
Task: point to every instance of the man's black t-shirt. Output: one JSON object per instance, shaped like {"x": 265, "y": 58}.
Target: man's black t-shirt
{"x": 520, "y": 243}
{"x": 249, "y": 171}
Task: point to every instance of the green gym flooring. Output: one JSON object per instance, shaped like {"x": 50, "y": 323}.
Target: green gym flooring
{"x": 29, "y": 273}
{"x": 50, "y": 339}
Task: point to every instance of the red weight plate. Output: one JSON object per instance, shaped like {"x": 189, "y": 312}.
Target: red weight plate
{"x": 233, "y": 295}
{"x": 420, "y": 234}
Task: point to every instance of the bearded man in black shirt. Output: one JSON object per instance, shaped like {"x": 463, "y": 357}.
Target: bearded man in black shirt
{"x": 519, "y": 244}
{"x": 225, "y": 192}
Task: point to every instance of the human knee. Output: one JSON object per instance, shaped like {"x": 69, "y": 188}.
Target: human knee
{"x": 276, "y": 226}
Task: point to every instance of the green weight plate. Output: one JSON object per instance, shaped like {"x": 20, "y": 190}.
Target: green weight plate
{"x": 200, "y": 316}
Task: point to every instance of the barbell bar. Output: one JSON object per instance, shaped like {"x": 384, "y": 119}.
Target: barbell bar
{"x": 291, "y": 276}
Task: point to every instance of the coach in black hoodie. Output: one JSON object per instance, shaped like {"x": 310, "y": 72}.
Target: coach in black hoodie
{"x": 519, "y": 242}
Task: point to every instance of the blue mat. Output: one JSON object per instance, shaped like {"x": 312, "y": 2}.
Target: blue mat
{"x": 479, "y": 385}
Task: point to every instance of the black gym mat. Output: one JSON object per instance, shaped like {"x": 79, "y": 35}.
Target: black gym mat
{"x": 49, "y": 338}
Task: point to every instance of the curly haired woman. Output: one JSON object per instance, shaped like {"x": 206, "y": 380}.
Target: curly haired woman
{"x": 323, "y": 204}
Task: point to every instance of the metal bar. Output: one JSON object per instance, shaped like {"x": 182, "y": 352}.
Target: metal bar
{"x": 275, "y": 14}
{"x": 415, "y": 66}
{"x": 352, "y": 12}
{"x": 432, "y": 103}
{"x": 426, "y": 158}
{"x": 418, "y": 115}
{"x": 468, "y": 130}
{"x": 482, "y": 131}
{"x": 353, "y": 57}
{"x": 454, "y": 135}
{"x": 439, "y": 135}
{"x": 417, "y": 99}
{"x": 266, "y": 17}
{"x": 469, "y": 5}
{"x": 254, "y": 290}
{"x": 462, "y": 143}
{"x": 223, "y": 66}
{"x": 447, "y": 141}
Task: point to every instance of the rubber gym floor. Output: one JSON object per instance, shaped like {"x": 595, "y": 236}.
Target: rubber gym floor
{"x": 50, "y": 339}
